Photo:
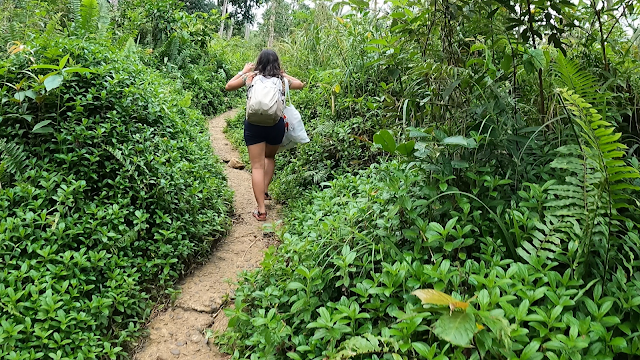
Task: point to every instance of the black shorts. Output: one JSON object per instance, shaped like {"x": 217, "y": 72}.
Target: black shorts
{"x": 256, "y": 134}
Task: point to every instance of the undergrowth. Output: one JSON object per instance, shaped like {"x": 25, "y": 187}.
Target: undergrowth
{"x": 109, "y": 192}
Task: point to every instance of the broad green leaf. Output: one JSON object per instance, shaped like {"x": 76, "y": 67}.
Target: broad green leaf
{"x": 53, "y": 82}
{"x": 477, "y": 46}
{"x": 530, "y": 350}
{"x": 294, "y": 285}
{"x": 459, "y": 164}
{"x": 77, "y": 70}
{"x": 30, "y": 94}
{"x": 41, "y": 127}
{"x": 618, "y": 342}
{"x": 459, "y": 140}
{"x": 406, "y": 148}
{"x": 378, "y": 42}
{"x": 63, "y": 61}
{"x": 421, "y": 348}
{"x": 44, "y": 66}
{"x": 385, "y": 139}
{"x": 538, "y": 59}
{"x": 20, "y": 95}
{"x": 554, "y": 345}
{"x": 506, "y": 62}
{"x": 457, "y": 328}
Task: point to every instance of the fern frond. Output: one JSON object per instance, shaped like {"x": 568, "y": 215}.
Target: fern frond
{"x": 597, "y": 181}
{"x": 366, "y": 344}
{"x": 89, "y": 14}
{"x": 104, "y": 17}
{"x": 571, "y": 76}
{"x": 74, "y": 9}
{"x": 12, "y": 159}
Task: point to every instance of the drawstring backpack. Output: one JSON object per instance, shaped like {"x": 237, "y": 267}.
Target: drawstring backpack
{"x": 265, "y": 100}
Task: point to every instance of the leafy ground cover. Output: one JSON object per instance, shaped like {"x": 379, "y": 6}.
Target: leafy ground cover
{"x": 109, "y": 190}
{"x": 471, "y": 196}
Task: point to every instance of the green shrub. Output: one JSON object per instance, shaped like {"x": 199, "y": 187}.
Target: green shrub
{"x": 336, "y": 147}
{"x": 118, "y": 195}
{"x": 340, "y": 284}
{"x": 188, "y": 55}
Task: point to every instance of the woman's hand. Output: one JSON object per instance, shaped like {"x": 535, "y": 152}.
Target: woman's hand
{"x": 249, "y": 78}
{"x": 238, "y": 81}
{"x": 248, "y": 67}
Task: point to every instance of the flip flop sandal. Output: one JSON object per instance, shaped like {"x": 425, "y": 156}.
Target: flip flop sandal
{"x": 260, "y": 216}
{"x": 267, "y": 196}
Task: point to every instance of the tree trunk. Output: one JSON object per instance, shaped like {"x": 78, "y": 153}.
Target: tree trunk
{"x": 272, "y": 21}
{"x": 247, "y": 31}
{"x": 533, "y": 42}
{"x": 224, "y": 12}
{"x": 603, "y": 43}
{"x": 230, "y": 32}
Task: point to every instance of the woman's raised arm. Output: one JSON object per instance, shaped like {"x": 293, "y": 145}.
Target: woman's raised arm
{"x": 294, "y": 83}
{"x": 240, "y": 79}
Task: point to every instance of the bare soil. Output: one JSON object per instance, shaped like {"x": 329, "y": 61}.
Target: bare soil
{"x": 180, "y": 332}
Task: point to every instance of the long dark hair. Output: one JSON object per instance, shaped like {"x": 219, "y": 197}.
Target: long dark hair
{"x": 268, "y": 64}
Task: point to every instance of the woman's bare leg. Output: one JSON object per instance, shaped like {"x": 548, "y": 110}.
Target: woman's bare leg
{"x": 269, "y": 164}
{"x": 257, "y": 158}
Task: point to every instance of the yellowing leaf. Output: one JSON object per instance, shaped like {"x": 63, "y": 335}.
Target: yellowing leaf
{"x": 479, "y": 326}
{"x": 435, "y": 297}
{"x": 15, "y": 47}
{"x": 340, "y": 20}
{"x": 336, "y": 88}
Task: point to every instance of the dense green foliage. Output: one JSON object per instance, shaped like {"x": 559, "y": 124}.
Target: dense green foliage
{"x": 508, "y": 177}
{"x": 109, "y": 191}
{"x": 483, "y": 149}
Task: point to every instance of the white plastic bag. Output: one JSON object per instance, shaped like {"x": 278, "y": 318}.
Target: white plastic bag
{"x": 294, "y": 132}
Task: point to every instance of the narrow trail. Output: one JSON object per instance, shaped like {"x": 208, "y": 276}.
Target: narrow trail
{"x": 179, "y": 332}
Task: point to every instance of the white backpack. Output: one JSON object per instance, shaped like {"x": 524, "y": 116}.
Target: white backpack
{"x": 265, "y": 100}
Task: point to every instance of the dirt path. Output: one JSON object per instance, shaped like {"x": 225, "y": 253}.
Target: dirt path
{"x": 179, "y": 332}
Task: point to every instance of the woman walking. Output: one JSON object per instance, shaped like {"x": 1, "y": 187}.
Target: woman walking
{"x": 263, "y": 142}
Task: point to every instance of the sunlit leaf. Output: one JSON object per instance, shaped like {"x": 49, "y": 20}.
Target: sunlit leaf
{"x": 435, "y": 297}
{"x": 63, "y": 61}
{"x": 459, "y": 140}
{"x": 53, "y": 82}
